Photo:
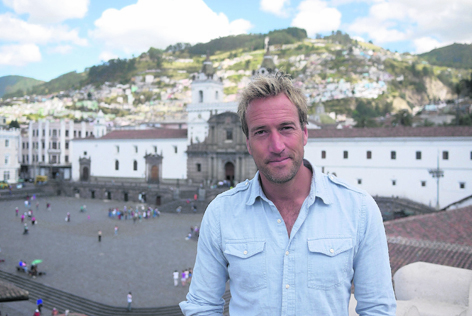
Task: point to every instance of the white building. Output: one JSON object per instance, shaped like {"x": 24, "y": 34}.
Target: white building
{"x": 398, "y": 161}
{"x": 207, "y": 100}
{"x": 45, "y": 147}
{"x": 9, "y": 149}
{"x": 131, "y": 155}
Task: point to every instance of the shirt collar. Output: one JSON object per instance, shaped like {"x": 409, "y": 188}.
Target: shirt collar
{"x": 318, "y": 186}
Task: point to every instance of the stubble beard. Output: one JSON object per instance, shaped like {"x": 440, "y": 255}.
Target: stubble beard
{"x": 277, "y": 178}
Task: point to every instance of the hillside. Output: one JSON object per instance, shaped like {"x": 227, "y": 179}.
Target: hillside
{"x": 9, "y": 84}
{"x": 455, "y": 55}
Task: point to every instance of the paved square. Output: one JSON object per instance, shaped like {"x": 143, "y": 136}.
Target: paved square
{"x": 140, "y": 258}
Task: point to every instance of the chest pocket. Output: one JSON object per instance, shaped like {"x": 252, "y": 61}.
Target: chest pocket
{"x": 247, "y": 263}
{"x": 328, "y": 262}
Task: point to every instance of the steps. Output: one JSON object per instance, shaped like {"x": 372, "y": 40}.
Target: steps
{"x": 62, "y": 300}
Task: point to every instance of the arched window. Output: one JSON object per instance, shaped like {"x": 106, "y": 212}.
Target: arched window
{"x": 135, "y": 165}
{"x": 216, "y": 95}
{"x": 117, "y": 165}
{"x": 200, "y": 96}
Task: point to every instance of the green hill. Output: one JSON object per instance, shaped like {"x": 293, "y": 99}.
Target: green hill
{"x": 455, "y": 55}
{"x": 10, "y": 84}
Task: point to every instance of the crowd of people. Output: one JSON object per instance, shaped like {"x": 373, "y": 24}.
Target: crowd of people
{"x": 185, "y": 277}
{"x": 134, "y": 214}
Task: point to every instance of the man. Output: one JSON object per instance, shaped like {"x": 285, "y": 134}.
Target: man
{"x": 291, "y": 240}
{"x": 130, "y": 300}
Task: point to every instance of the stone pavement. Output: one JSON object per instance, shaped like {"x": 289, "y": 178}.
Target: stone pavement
{"x": 140, "y": 259}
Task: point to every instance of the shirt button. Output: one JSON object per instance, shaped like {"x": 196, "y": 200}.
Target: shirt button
{"x": 247, "y": 183}
{"x": 245, "y": 252}
{"x": 331, "y": 177}
{"x": 287, "y": 286}
{"x": 279, "y": 221}
{"x": 286, "y": 253}
{"x": 331, "y": 250}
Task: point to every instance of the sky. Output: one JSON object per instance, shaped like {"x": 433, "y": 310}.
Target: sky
{"x": 44, "y": 39}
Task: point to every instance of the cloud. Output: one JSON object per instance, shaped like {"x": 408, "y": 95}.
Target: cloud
{"x": 428, "y": 23}
{"x": 276, "y": 7}
{"x": 60, "y": 49}
{"x": 106, "y": 56}
{"x": 49, "y": 11}
{"x": 159, "y": 23}
{"x": 316, "y": 17}
{"x": 15, "y": 30}
{"x": 19, "y": 55}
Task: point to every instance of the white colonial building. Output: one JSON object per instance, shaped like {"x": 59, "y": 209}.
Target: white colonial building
{"x": 207, "y": 100}
{"x": 9, "y": 149}
{"x": 399, "y": 161}
{"x": 45, "y": 147}
{"x": 131, "y": 155}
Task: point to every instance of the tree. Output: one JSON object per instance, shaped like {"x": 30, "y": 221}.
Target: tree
{"x": 14, "y": 124}
{"x": 156, "y": 55}
{"x": 403, "y": 118}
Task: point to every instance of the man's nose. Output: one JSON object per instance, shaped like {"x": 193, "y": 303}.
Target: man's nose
{"x": 276, "y": 145}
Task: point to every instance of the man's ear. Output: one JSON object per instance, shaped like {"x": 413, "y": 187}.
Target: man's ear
{"x": 248, "y": 146}
{"x": 305, "y": 135}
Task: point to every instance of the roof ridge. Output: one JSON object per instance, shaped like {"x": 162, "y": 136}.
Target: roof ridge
{"x": 428, "y": 244}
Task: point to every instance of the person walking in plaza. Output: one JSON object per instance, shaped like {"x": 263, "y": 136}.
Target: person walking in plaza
{"x": 116, "y": 230}
{"x": 39, "y": 304}
{"x": 99, "y": 236}
{"x": 25, "y": 229}
{"x": 37, "y": 313}
{"x": 183, "y": 278}
{"x": 22, "y": 217}
{"x": 68, "y": 217}
{"x": 16, "y": 211}
{"x": 130, "y": 300}
{"x": 37, "y": 206}
{"x": 175, "y": 274}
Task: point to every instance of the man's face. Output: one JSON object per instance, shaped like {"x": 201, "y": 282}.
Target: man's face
{"x": 275, "y": 138}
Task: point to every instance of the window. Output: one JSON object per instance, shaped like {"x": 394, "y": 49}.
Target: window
{"x": 86, "y": 134}
{"x": 199, "y": 167}
{"x": 67, "y": 133}
{"x": 75, "y": 134}
{"x": 394, "y": 182}
{"x": 66, "y": 158}
{"x": 44, "y": 132}
{"x": 462, "y": 185}
{"x": 175, "y": 149}
{"x": 359, "y": 181}
{"x": 6, "y": 175}
{"x": 54, "y": 145}
{"x": 323, "y": 154}
{"x": 23, "y": 159}
{"x": 155, "y": 149}
{"x": 200, "y": 96}
{"x": 216, "y": 95}
{"x": 24, "y": 146}
{"x": 7, "y": 143}
{"x": 85, "y": 153}
{"x": 418, "y": 155}
{"x": 7, "y": 159}
{"x": 136, "y": 149}
{"x": 135, "y": 165}
{"x": 423, "y": 183}
{"x": 117, "y": 165}
{"x": 53, "y": 159}
{"x": 27, "y": 145}
{"x": 345, "y": 154}
{"x": 393, "y": 155}
{"x": 445, "y": 155}
{"x": 117, "y": 149}
{"x": 43, "y": 145}
{"x": 80, "y": 134}
{"x": 67, "y": 145}
{"x": 43, "y": 158}
{"x": 369, "y": 154}
{"x": 54, "y": 132}
{"x": 229, "y": 134}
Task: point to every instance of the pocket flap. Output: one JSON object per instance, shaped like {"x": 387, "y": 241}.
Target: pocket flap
{"x": 244, "y": 249}
{"x": 330, "y": 246}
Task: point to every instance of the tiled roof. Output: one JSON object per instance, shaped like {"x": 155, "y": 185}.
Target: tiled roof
{"x": 437, "y": 131}
{"x": 146, "y": 134}
{"x": 10, "y": 292}
{"x": 442, "y": 238}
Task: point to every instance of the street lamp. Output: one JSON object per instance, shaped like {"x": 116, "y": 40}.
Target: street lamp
{"x": 437, "y": 173}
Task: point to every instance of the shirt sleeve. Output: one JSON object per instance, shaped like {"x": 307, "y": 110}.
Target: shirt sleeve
{"x": 372, "y": 273}
{"x": 210, "y": 273}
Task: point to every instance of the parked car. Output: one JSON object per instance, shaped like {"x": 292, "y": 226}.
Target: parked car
{"x": 4, "y": 185}
{"x": 41, "y": 179}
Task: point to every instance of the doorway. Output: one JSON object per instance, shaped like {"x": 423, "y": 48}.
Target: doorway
{"x": 229, "y": 172}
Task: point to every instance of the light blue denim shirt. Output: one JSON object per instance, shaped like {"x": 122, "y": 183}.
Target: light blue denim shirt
{"x": 337, "y": 238}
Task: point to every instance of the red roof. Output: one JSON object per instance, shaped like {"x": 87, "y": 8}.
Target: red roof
{"x": 146, "y": 134}
{"x": 436, "y": 131}
{"x": 442, "y": 238}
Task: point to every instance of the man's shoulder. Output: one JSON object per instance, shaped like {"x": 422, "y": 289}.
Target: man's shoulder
{"x": 240, "y": 189}
{"x": 342, "y": 184}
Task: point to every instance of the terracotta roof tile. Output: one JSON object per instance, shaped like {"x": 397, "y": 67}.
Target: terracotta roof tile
{"x": 10, "y": 292}
{"x": 437, "y": 131}
{"x": 146, "y": 134}
{"x": 441, "y": 238}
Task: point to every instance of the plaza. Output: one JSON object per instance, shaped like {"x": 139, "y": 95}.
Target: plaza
{"x": 140, "y": 258}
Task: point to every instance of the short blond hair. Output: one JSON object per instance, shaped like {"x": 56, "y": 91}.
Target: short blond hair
{"x": 266, "y": 86}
